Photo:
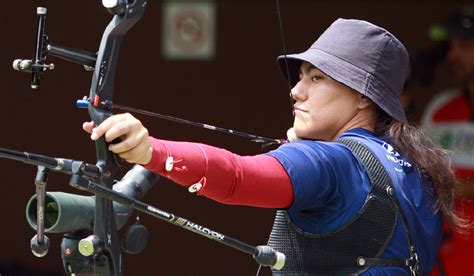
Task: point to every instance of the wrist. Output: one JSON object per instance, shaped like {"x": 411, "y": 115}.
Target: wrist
{"x": 155, "y": 156}
{"x": 146, "y": 157}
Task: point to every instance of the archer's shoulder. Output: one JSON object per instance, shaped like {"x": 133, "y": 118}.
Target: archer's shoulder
{"x": 312, "y": 150}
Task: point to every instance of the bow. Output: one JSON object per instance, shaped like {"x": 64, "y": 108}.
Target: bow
{"x": 104, "y": 63}
{"x": 126, "y": 14}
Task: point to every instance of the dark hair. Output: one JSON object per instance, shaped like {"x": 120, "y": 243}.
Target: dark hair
{"x": 432, "y": 162}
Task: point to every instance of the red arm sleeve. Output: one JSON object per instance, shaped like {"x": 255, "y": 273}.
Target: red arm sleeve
{"x": 258, "y": 180}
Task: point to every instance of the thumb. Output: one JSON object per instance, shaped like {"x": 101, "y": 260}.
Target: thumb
{"x": 88, "y": 126}
{"x": 291, "y": 135}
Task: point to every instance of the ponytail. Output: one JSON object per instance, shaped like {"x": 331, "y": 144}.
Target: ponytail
{"x": 432, "y": 162}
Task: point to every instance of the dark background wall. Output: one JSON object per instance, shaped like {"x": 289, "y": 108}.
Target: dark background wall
{"x": 241, "y": 88}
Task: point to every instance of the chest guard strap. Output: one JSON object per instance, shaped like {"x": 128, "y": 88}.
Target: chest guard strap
{"x": 357, "y": 245}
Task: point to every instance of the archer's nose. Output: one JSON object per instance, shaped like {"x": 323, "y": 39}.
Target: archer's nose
{"x": 297, "y": 92}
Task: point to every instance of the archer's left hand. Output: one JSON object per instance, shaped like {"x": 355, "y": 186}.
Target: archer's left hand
{"x": 134, "y": 146}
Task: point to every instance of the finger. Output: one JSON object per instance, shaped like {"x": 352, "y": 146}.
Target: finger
{"x": 88, "y": 126}
{"x": 126, "y": 144}
{"x": 132, "y": 148}
{"x": 121, "y": 130}
{"x": 137, "y": 154}
{"x": 106, "y": 125}
{"x": 131, "y": 133}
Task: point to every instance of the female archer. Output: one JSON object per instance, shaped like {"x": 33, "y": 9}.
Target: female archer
{"x": 360, "y": 191}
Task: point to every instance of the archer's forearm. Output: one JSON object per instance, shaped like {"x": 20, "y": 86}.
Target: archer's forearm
{"x": 258, "y": 180}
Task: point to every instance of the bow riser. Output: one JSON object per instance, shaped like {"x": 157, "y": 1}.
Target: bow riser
{"x": 102, "y": 89}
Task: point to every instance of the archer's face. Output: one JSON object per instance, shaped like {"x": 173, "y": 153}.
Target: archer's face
{"x": 461, "y": 57}
{"x": 323, "y": 107}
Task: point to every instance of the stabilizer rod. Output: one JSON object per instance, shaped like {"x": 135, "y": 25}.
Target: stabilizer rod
{"x": 56, "y": 164}
{"x": 73, "y": 55}
{"x": 264, "y": 255}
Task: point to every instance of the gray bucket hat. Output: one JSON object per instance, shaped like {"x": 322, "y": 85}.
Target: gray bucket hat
{"x": 362, "y": 56}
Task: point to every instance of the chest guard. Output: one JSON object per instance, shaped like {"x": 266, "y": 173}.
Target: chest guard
{"x": 355, "y": 246}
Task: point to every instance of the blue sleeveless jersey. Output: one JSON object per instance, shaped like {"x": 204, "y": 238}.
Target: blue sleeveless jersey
{"x": 331, "y": 186}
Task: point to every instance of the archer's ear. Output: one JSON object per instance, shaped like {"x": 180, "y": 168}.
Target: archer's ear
{"x": 364, "y": 102}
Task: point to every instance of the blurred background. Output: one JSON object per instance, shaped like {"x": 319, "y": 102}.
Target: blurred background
{"x": 217, "y": 67}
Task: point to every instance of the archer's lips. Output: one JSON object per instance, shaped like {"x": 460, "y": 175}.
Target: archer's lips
{"x": 296, "y": 109}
